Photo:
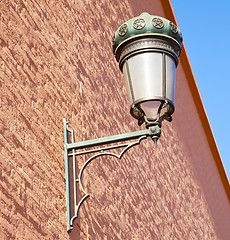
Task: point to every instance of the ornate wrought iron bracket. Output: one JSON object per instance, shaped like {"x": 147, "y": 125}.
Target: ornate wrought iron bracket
{"x": 70, "y": 151}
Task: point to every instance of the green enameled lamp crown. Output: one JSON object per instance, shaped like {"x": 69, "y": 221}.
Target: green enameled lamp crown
{"x": 145, "y": 25}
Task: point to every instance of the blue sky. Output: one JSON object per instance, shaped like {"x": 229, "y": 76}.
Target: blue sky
{"x": 205, "y": 26}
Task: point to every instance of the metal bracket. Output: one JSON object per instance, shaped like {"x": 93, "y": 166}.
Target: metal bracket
{"x": 70, "y": 151}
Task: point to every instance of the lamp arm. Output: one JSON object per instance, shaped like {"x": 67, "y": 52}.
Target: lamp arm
{"x": 70, "y": 152}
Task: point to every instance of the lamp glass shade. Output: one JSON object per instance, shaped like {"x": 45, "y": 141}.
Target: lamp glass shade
{"x": 170, "y": 78}
{"x": 150, "y": 81}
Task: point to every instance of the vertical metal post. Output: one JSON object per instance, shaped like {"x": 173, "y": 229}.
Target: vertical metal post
{"x": 67, "y": 175}
{"x": 74, "y": 176}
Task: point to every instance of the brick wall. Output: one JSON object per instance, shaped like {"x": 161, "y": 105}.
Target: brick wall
{"x": 55, "y": 62}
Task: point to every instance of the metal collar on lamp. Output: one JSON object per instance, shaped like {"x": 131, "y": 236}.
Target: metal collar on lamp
{"x": 147, "y": 49}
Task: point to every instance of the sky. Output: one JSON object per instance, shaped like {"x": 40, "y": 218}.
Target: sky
{"x": 205, "y": 26}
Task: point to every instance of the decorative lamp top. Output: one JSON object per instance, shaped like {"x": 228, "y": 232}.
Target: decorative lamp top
{"x": 146, "y": 25}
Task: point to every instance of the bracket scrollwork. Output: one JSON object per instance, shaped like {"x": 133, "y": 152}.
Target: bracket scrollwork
{"x": 70, "y": 150}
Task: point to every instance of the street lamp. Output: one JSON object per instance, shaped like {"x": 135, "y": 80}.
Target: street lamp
{"x": 147, "y": 49}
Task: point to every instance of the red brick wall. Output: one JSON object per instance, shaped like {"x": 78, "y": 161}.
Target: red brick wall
{"x": 55, "y": 62}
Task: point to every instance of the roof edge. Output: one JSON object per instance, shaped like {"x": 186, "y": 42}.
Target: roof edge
{"x": 185, "y": 62}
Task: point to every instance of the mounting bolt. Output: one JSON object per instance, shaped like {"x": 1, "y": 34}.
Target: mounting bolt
{"x": 155, "y": 133}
